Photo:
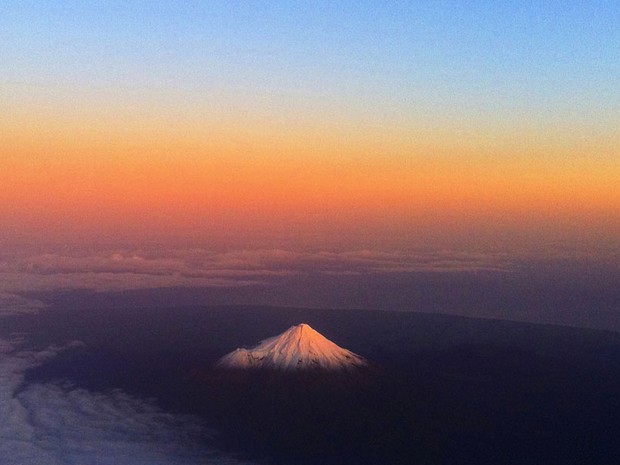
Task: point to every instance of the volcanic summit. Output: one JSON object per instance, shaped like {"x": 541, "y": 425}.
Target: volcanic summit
{"x": 298, "y": 348}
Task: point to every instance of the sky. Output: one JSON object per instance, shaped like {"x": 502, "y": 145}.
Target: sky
{"x": 310, "y": 125}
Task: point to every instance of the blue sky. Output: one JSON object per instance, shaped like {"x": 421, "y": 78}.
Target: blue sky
{"x": 483, "y": 56}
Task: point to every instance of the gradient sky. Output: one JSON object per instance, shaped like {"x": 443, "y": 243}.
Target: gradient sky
{"x": 310, "y": 124}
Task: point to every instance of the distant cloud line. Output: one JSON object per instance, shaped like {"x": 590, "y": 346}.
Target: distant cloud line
{"x": 102, "y": 271}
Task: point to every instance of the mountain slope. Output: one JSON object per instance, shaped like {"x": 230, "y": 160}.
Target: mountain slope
{"x": 298, "y": 348}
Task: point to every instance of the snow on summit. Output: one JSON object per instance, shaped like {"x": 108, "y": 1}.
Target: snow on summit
{"x": 299, "y": 347}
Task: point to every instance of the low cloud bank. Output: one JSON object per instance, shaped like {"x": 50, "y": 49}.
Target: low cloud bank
{"x": 116, "y": 270}
{"x": 57, "y": 424}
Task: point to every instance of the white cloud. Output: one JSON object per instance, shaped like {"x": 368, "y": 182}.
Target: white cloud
{"x": 57, "y": 424}
{"x": 21, "y": 273}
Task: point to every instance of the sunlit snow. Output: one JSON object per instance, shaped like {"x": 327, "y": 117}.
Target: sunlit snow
{"x": 299, "y": 347}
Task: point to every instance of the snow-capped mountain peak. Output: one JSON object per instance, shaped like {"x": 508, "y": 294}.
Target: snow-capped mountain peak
{"x": 299, "y": 347}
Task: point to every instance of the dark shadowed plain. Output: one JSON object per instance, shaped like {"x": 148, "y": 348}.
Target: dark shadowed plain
{"x": 446, "y": 389}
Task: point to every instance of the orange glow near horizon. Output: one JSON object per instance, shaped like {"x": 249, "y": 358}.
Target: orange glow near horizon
{"x": 270, "y": 179}
{"x": 117, "y": 168}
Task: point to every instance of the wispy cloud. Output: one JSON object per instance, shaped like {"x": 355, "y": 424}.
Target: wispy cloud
{"x": 57, "y": 424}
{"x": 141, "y": 269}
{"x": 11, "y": 304}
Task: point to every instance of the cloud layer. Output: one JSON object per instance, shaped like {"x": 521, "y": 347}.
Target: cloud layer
{"x": 57, "y": 424}
{"x": 116, "y": 270}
